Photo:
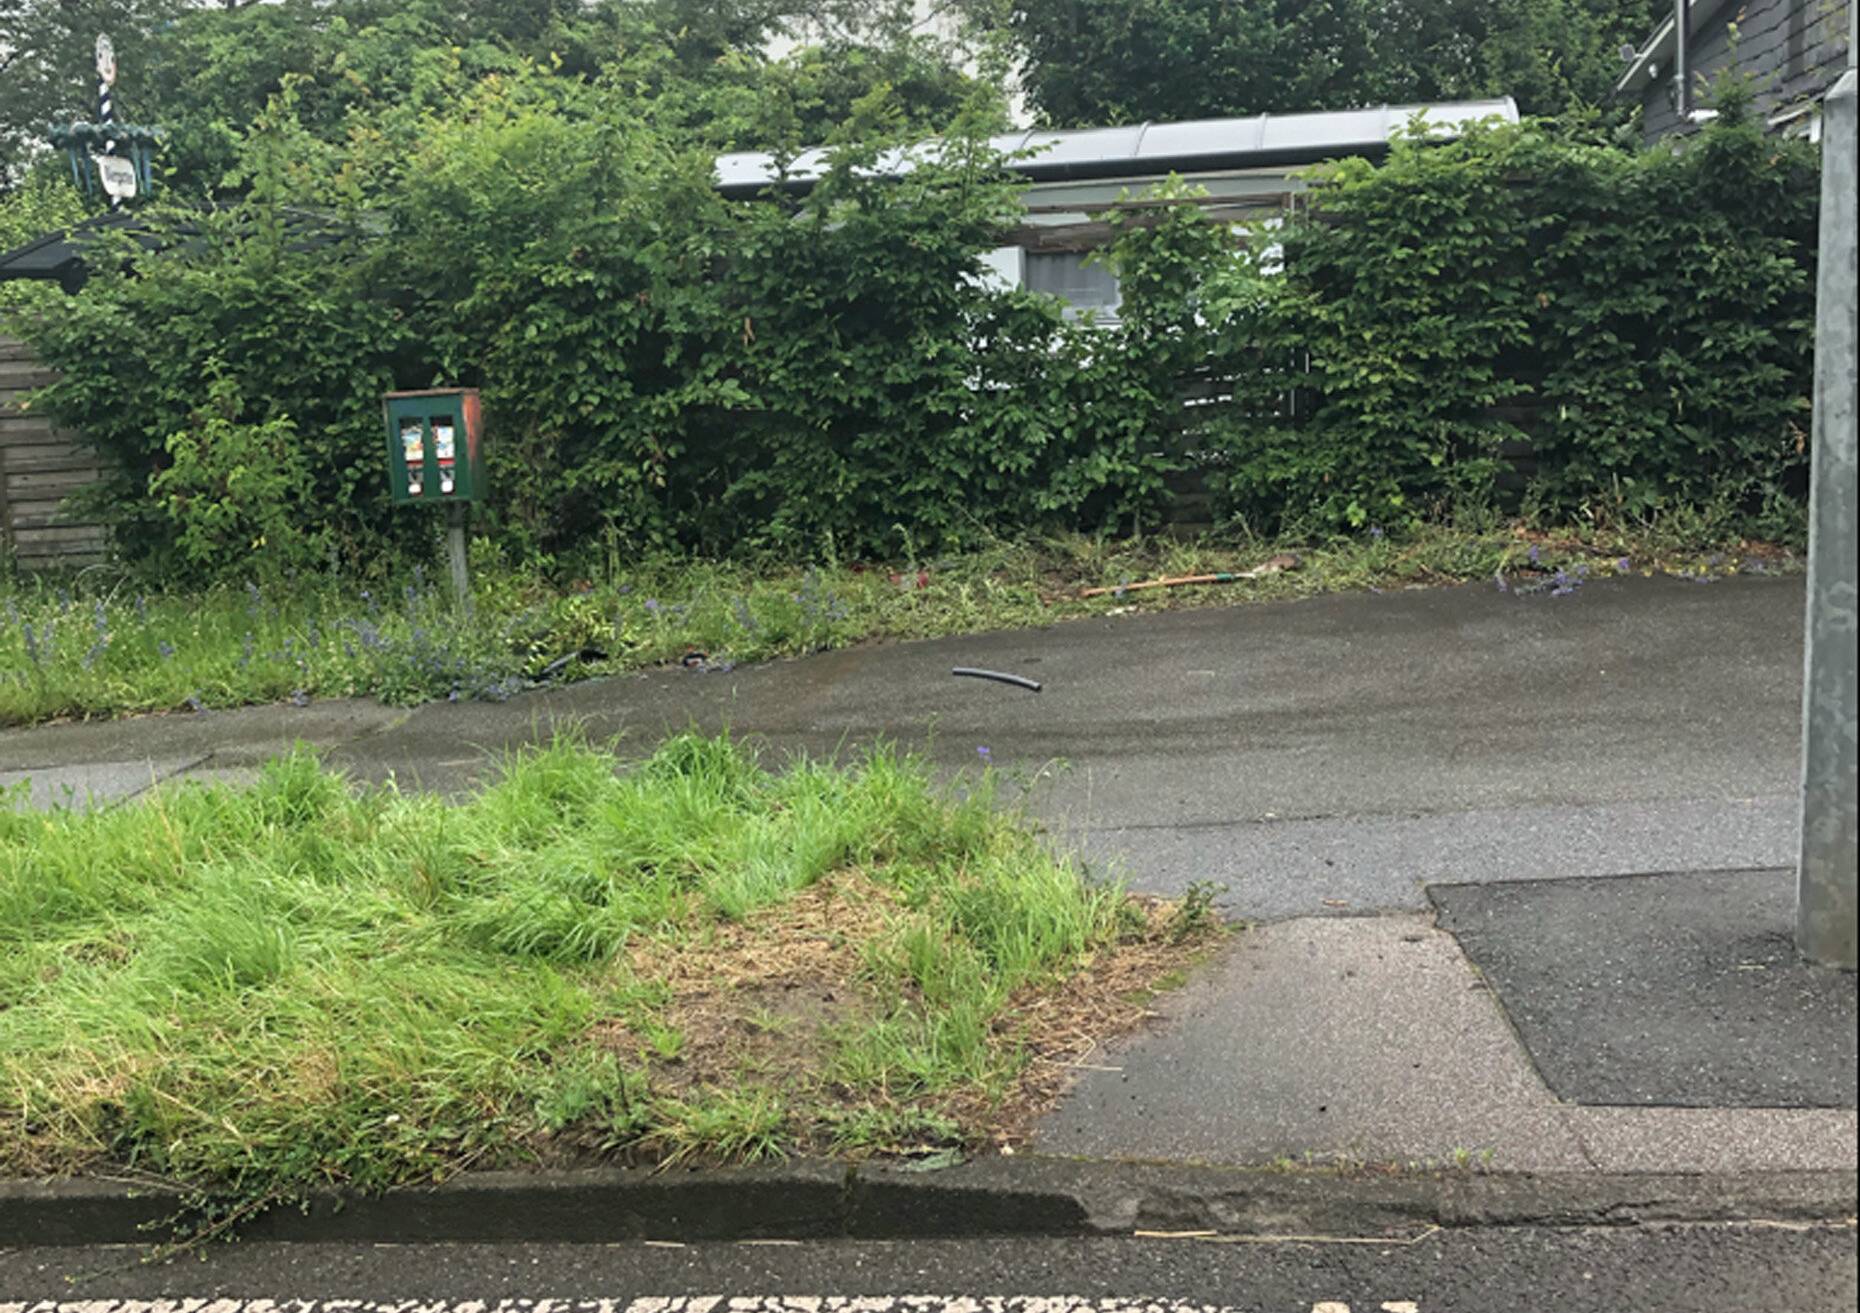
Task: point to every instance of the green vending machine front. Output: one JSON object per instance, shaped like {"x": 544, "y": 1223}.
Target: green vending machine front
{"x": 435, "y": 445}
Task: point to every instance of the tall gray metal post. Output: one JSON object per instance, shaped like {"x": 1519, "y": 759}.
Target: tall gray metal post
{"x": 1825, "y": 881}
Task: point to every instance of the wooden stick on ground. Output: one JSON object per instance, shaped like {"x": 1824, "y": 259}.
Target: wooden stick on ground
{"x": 1272, "y": 565}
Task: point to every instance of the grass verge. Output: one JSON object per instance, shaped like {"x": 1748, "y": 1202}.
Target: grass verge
{"x": 97, "y": 648}
{"x": 264, "y": 989}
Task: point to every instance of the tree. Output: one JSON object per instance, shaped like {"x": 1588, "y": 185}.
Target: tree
{"x": 1109, "y": 61}
{"x": 204, "y": 70}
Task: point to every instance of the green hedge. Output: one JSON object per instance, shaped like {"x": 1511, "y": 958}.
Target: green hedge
{"x": 664, "y": 367}
{"x": 1649, "y": 312}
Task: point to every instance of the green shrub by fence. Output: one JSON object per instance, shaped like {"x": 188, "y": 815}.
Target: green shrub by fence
{"x": 664, "y": 367}
{"x": 1642, "y": 319}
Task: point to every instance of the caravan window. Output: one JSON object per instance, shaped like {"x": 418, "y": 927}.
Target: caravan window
{"x": 1082, "y": 286}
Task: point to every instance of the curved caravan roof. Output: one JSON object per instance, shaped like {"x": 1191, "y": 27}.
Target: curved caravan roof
{"x": 1155, "y": 148}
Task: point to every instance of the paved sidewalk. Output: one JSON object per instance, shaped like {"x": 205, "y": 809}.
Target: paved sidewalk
{"x": 1653, "y": 1024}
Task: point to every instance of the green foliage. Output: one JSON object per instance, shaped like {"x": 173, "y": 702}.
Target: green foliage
{"x": 658, "y": 364}
{"x": 48, "y": 69}
{"x": 238, "y": 494}
{"x": 207, "y": 72}
{"x": 1093, "y": 62}
{"x": 43, "y": 203}
{"x": 826, "y": 372}
{"x": 1641, "y": 319}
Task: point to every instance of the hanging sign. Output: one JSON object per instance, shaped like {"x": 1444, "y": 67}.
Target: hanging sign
{"x": 119, "y": 176}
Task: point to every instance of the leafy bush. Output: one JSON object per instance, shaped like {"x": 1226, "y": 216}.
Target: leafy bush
{"x": 237, "y": 494}
{"x": 829, "y": 372}
{"x": 42, "y": 203}
{"x": 1643, "y": 320}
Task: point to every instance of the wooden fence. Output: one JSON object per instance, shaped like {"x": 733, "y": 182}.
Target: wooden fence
{"x": 39, "y": 467}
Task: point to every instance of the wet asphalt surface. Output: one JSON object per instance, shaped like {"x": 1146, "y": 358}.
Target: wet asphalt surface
{"x": 1681, "y": 1269}
{"x": 1318, "y": 756}
{"x": 1665, "y": 990}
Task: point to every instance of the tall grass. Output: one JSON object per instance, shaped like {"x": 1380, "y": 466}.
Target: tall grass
{"x": 96, "y": 647}
{"x": 295, "y": 982}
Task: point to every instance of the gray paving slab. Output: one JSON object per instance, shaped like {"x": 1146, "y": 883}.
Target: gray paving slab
{"x": 91, "y": 784}
{"x": 1681, "y": 989}
{"x": 1728, "y": 1140}
{"x": 1272, "y": 870}
{"x": 1355, "y": 1040}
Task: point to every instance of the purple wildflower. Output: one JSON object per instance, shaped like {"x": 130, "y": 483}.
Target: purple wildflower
{"x": 986, "y": 756}
{"x": 1624, "y": 565}
{"x": 166, "y": 649}
{"x": 652, "y": 604}
{"x": 1375, "y": 531}
{"x": 1536, "y": 555}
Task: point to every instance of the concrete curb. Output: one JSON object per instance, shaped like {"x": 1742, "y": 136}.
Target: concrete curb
{"x": 991, "y": 1197}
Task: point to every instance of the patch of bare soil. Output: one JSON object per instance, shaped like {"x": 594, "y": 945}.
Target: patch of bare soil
{"x": 764, "y": 1002}
{"x": 758, "y": 1001}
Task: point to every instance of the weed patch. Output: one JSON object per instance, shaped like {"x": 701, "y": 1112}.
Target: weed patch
{"x": 101, "y": 650}
{"x": 257, "y": 990}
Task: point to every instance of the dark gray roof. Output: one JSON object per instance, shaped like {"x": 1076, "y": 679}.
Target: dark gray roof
{"x": 59, "y": 256}
{"x": 1156, "y": 149}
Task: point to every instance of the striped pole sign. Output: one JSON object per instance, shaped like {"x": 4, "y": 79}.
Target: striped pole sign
{"x": 117, "y": 173}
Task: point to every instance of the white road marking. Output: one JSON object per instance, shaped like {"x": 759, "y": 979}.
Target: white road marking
{"x": 670, "y": 1304}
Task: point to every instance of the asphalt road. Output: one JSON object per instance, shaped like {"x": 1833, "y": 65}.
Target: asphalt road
{"x": 1751, "y": 1269}
{"x": 1316, "y": 756}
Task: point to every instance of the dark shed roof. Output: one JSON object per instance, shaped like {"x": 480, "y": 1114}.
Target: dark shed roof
{"x": 59, "y": 256}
